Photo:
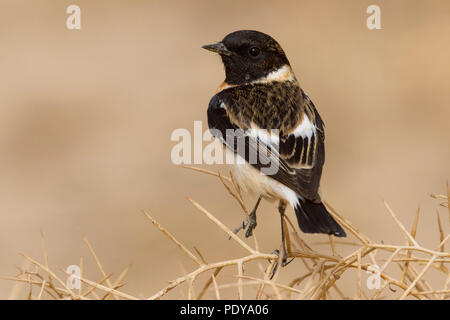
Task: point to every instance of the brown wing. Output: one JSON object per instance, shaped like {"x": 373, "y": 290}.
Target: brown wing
{"x": 303, "y": 149}
{"x": 297, "y": 155}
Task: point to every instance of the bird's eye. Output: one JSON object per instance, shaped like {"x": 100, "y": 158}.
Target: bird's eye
{"x": 254, "y": 51}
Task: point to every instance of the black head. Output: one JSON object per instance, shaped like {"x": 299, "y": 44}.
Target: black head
{"x": 248, "y": 55}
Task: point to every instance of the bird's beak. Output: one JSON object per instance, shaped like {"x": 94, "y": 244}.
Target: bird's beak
{"x": 218, "y": 47}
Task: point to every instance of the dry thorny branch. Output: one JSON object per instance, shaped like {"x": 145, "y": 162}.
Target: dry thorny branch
{"x": 408, "y": 265}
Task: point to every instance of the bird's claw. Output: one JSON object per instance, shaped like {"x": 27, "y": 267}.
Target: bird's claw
{"x": 241, "y": 227}
{"x": 284, "y": 262}
{"x": 250, "y": 224}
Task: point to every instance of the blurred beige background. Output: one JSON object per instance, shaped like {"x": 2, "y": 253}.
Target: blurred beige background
{"x": 86, "y": 118}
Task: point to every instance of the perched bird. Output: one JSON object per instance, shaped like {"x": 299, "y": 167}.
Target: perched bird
{"x": 261, "y": 104}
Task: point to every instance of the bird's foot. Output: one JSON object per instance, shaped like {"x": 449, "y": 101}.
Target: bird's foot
{"x": 251, "y": 223}
{"x": 284, "y": 261}
{"x": 240, "y": 227}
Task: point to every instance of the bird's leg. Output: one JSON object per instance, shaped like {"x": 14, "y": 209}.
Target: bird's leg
{"x": 282, "y": 209}
{"x": 252, "y": 217}
{"x": 284, "y": 262}
{"x": 251, "y": 222}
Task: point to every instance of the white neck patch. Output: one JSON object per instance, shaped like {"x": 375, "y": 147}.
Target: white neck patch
{"x": 283, "y": 74}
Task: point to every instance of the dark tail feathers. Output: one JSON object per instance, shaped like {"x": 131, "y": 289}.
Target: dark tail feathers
{"x": 314, "y": 218}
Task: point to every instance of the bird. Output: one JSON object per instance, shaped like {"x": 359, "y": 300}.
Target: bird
{"x": 261, "y": 109}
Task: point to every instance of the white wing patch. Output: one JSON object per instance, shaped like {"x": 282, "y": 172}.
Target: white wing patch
{"x": 269, "y": 138}
{"x": 305, "y": 129}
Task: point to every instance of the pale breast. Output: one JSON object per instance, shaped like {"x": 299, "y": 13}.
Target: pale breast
{"x": 253, "y": 181}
